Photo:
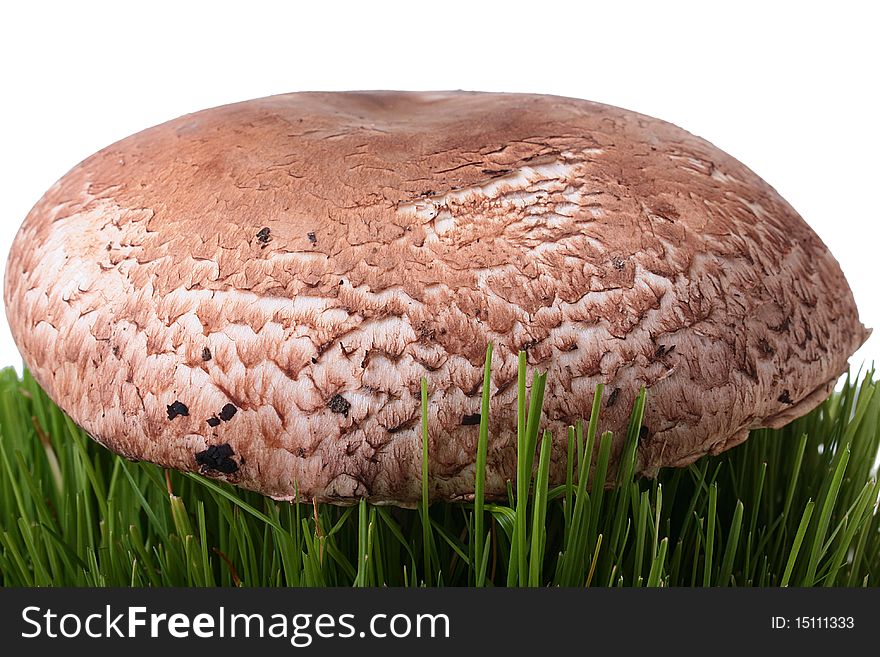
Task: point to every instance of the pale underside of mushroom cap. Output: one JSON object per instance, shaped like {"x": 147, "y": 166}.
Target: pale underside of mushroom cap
{"x": 255, "y": 291}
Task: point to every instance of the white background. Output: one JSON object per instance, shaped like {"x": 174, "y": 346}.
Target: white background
{"x": 790, "y": 89}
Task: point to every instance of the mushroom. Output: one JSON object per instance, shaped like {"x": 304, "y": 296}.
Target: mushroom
{"x": 255, "y": 291}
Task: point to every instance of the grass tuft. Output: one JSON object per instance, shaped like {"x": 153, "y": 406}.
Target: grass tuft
{"x": 790, "y": 507}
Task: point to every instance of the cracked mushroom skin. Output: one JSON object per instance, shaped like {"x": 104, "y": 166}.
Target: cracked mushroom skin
{"x": 254, "y": 291}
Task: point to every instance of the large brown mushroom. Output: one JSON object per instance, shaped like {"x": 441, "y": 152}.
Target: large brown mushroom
{"x": 255, "y": 291}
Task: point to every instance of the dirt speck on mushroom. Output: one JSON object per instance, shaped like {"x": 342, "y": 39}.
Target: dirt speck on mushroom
{"x": 217, "y": 458}
{"x": 470, "y": 419}
{"x": 264, "y": 237}
{"x": 339, "y": 404}
{"x": 227, "y": 412}
{"x": 177, "y": 408}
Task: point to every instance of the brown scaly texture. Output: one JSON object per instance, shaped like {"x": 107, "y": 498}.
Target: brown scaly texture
{"x": 254, "y": 291}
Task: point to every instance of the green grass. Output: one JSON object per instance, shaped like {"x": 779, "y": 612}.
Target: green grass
{"x": 797, "y": 506}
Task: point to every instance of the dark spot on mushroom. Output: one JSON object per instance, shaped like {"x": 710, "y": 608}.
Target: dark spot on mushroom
{"x": 263, "y": 237}
{"x": 227, "y": 412}
{"x": 525, "y": 346}
{"x": 339, "y": 404}
{"x": 314, "y": 361}
{"x": 663, "y": 350}
{"x": 612, "y": 398}
{"x": 765, "y": 347}
{"x": 785, "y": 397}
{"x": 218, "y": 458}
{"x": 313, "y": 238}
{"x": 206, "y": 354}
{"x": 617, "y": 262}
{"x": 644, "y": 433}
{"x": 116, "y": 350}
{"x": 177, "y": 408}
{"x": 468, "y": 420}
{"x": 213, "y": 421}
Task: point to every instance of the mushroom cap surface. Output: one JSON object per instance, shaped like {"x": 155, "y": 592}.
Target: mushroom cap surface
{"x": 255, "y": 291}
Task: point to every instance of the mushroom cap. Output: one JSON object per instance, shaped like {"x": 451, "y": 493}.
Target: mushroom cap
{"x": 255, "y": 291}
